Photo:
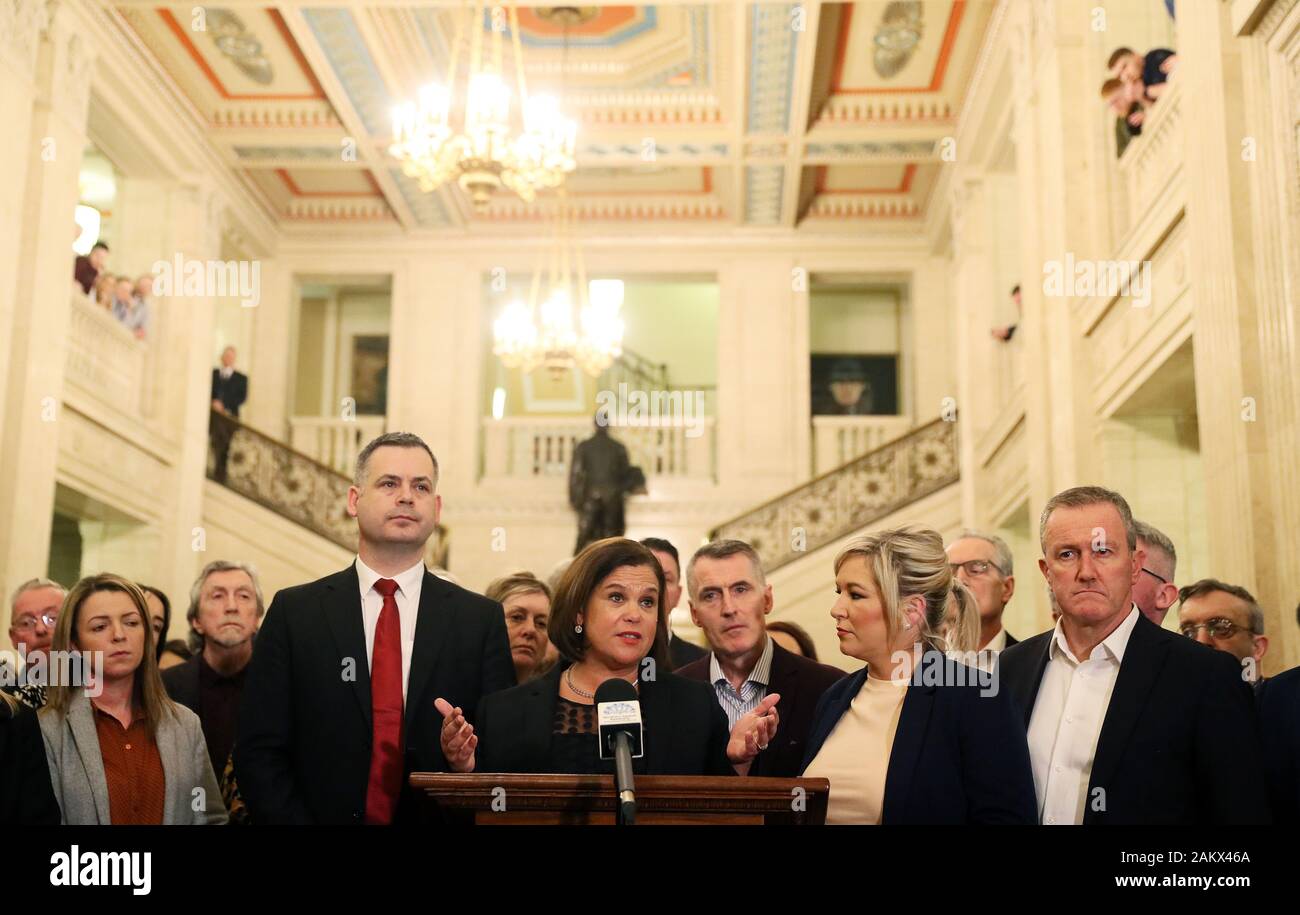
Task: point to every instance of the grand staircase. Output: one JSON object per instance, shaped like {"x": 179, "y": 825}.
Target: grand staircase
{"x": 911, "y": 479}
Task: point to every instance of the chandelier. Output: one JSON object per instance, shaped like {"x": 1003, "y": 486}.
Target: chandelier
{"x": 567, "y": 320}
{"x": 472, "y": 137}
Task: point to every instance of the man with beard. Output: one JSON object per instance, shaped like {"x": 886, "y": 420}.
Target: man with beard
{"x": 225, "y": 609}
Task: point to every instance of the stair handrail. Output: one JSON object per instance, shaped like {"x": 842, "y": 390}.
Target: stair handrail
{"x": 940, "y": 433}
{"x": 254, "y": 477}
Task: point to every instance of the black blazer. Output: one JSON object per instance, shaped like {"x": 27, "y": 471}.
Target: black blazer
{"x": 685, "y": 732}
{"x": 303, "y": 745}
{"x": 959, "y": 757}
{"x": 1179, "y": 743}
{"x": 232, "y": 392}
{"x": 1011, "y": 640}
{"x": 1278, "y": 701}
{"x": 26, "y": 795}
{"x": 800, "y": 683}
{"x": 182, "y": 683}
{"x": 682, "y": 652}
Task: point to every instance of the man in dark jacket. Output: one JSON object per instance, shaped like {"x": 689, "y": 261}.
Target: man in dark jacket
{"x": 730, "y": 600}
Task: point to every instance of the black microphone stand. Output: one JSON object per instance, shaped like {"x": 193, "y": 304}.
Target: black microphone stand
{"x": 625, "y": 812}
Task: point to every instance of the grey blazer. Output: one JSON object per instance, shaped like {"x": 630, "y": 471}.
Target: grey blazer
{"x": 77, "y": 768}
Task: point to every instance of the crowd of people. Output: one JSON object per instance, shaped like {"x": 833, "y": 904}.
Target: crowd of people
{"x": 127, "y": 300}
{"x": 1136, "y": 83}
{"x": 318, "y": 708}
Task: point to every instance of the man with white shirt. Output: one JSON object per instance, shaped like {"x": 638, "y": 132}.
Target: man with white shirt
{"x": 982, "y": 562}
{"x": 368, "y": 674}
{"x": 1127, "y": 722}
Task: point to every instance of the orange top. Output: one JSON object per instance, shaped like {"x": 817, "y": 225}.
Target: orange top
{"x": 133, "y": 769}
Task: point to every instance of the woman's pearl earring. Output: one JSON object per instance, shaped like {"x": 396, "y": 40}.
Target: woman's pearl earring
{"x": 578, "y": 629}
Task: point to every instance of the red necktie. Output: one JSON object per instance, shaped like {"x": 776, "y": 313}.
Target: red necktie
{"x": 385, "y": 782}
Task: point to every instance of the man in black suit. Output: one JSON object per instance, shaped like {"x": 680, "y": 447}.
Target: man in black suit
{"x": 229, "y": 391}
{"x": 982, "y": 562}
{"x": 1278, "y": 700}
{"x": 730, "y": 600}
{"x": 352, "y": 675}
{"x": 680, "y": 651}
{"x": 229, "y": 387}
{"x": 1127, "y": 722}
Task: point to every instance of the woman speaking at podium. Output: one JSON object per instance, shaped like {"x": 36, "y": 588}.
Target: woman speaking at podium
{"x": 607, "y": 621}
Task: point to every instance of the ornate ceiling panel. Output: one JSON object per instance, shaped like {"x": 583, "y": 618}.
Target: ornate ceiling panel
{"x": 716, "y": 112}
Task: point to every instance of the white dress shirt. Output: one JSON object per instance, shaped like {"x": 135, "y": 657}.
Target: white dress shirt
{"x": 986, "y": 657}
{"x": 1067, "y": 718}
{"x": 408, "y": 608}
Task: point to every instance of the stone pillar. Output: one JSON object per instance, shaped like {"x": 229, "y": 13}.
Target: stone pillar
{"x": 37, "y": 347}
{"x": 1059, "y": 194}
{"x": 757, "y": 371}
{"x": 972, "y": 285}
{"x": 271, "y": 361}
{"x": 20, "y": 35}
{"x": 1271, "y": 90}
{"x": 435, "y": 348}
{"x": 933, "y": 340}
{"x": 1245, "y": 356}
{"x": 195, "y": 234}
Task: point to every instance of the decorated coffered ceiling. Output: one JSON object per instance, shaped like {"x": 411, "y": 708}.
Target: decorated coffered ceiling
{"x": 821, "y": 116}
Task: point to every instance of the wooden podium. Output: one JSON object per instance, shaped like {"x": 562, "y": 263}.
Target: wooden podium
{"x": 581, "y": 800}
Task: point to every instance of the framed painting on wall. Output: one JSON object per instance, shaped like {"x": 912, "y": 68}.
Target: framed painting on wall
{"x": 849, "y": 384}
{"x": 370, "y": 374}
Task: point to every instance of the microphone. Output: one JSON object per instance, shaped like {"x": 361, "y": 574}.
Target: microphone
{"x": 618, "y": 727}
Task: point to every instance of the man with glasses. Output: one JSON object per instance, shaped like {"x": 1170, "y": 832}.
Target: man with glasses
{"x": 1225, "y": 617}
{"x": 982, "y": 562}
{"x": 35, "y": 609}
{"x": 1155, "y": 591}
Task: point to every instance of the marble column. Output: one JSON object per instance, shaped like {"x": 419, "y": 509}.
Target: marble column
{"x": 21, "y": 24}
{"x": 1245, "y": 351}
{"x": 972, "y": 285}
{"x": 1060, "y": 193}
{"x": 195, "y": 234}
{"x": 42, "y": 296}
{"x": 758, "y": 366}
{"x": 1271, "y": 90}
{"x": 272, "y": 359}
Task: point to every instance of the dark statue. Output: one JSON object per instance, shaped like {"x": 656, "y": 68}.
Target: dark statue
{"x": 600, "y": 478}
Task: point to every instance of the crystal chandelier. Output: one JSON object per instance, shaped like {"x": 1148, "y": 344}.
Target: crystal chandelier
{"x": 472, "y": 137}
{"x": 567, "y": 320}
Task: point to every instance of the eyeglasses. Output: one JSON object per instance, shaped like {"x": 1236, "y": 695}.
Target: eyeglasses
{"x": 1163, "y": 581}
{"x": 29, "y": 622}
{"x": 973, "y": 567}
{"x": 1219, "y": 628}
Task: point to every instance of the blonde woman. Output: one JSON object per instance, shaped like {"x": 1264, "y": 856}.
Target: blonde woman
{"x": 526, "y": 600}
{"x": 102, "y": 291}
{"x": 913, "y": 737}
{"x": 120, "y": 751}
{"x": 25, "y": 795}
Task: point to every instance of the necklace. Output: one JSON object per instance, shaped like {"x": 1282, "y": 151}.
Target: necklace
{"x": 568, "y": 677}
